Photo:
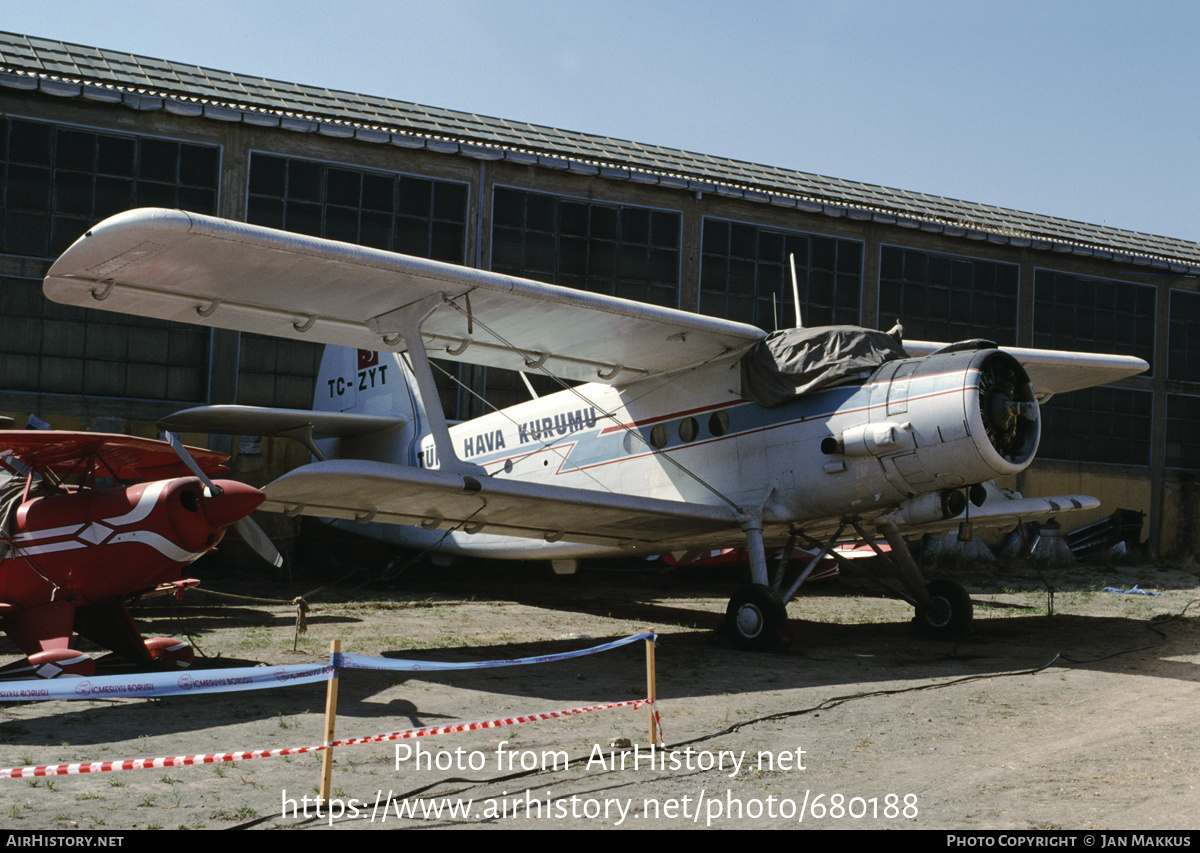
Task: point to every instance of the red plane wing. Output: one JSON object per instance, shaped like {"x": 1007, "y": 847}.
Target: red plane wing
{"x": 124, "y": 457}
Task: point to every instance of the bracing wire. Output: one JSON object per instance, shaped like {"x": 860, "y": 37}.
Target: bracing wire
{"x": 605, "y": 414}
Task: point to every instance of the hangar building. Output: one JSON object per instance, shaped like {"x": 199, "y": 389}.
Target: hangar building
{"x": 87, "y": 132}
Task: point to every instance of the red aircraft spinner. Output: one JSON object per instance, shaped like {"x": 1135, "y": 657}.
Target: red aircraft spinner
{"x": 71, "y": 555}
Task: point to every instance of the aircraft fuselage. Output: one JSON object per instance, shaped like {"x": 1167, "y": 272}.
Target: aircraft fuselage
{"x": 914, "y": 427}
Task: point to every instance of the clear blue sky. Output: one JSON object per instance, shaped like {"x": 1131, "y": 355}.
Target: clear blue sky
{"x": 1085, "y": 110}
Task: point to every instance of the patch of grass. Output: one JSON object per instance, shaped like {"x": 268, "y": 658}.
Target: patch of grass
{"x": 242, "y": 813}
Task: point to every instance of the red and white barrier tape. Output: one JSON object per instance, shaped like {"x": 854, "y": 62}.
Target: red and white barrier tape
{"x": 149, "y": 763}
{"x": 487, "y": 724}
{"x": 223, "y": 757}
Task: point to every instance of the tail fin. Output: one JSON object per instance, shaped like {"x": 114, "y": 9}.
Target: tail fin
{"x": 371, "y": 383}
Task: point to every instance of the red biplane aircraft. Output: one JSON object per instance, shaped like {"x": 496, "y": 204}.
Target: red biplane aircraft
{"x": 71, "y": 555}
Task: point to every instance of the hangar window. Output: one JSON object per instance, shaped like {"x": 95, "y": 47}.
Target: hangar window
{"x": 1072, "y": 312}
{"x": 409, "y": 214}
{"x": 1183, "y": 333}
{"x": 619, "y": 250}
{"x": 399, "y": 213}
{"x": 501, "y": 388}
{"x": 947, "y": 297}
{"x": 1106, "y": 425}
{"x": 745, "y": 276}
{"x": 274, "y": 372}
{"x": 1183, "y": 442}
{"x": 57, "y": 182}
{"x": 59, "y": 349}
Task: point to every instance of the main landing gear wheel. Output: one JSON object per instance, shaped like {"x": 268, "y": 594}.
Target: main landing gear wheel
{"x": 754, "y": 617}
{"x": 950, "y": 616}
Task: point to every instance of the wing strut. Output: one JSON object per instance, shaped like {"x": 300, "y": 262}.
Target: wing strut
{"x": 406, "y": 323}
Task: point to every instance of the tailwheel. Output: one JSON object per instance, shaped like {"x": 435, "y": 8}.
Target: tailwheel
{"x": 951, "y": 614}
{"x": 171, "y": 653}
{"x": 754, "y": 617}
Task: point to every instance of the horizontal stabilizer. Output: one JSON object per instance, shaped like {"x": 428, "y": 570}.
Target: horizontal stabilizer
{"x": 253, "y": 420}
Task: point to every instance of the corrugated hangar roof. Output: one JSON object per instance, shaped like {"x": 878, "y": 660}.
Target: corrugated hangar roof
{"x": 69, "y": 70}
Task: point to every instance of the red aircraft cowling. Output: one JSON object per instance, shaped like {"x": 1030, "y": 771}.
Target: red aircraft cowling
{"x": 76, "y": 555}
{"x": 113, "y": 543}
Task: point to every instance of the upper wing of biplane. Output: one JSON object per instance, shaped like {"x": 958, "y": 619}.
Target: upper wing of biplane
{"x": 1058, "y": 371}
{"x": 123, "y": 457}
{"x": 199, "y": 269}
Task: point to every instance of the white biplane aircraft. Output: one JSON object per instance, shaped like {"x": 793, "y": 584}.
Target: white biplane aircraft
{"x": 689, "y": 433}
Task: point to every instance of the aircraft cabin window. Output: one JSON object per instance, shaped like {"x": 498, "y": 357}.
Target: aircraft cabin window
{"x": 718, "y": 424}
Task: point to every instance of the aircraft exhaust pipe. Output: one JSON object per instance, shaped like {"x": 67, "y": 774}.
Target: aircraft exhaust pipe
{"x": 935, "y": 506}
{"x": 878, "y": 439}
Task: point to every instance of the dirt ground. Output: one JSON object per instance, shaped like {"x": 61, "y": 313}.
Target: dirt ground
{"x": 1086, "y": 719}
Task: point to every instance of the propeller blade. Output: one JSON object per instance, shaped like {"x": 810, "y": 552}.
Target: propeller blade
{"x": 186, "y": 459}
{"x": 257, "y": 539}
{"x": 253, "y": 535}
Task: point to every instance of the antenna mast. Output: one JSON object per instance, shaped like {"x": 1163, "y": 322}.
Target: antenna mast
{"x": 795, "y": 290}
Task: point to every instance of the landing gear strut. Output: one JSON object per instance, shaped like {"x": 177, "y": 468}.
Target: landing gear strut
{"x": 756, "y": 614}
{"x": 757, "y": 611}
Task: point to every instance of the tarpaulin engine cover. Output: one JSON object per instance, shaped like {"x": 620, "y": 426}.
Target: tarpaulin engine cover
{"x": 792, "y": 362}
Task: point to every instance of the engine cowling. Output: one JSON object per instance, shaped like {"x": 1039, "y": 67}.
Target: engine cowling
{"x": 957, "y": 417}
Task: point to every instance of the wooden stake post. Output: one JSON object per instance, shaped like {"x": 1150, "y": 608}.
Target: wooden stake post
{"x": 335, "y": 648}
{"x": 650, "y": 680}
